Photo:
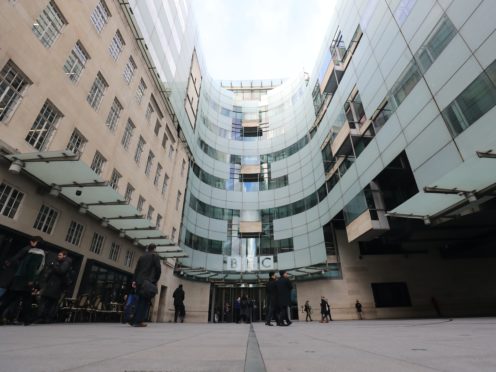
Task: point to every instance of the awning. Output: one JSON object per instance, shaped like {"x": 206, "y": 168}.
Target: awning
{"x": 64, "y": 174}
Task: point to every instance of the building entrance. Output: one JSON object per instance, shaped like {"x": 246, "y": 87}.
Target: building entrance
{"x": 225, "y": 303}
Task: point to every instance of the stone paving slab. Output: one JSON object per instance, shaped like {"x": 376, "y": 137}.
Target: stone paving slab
{"x": 382, "y": 345}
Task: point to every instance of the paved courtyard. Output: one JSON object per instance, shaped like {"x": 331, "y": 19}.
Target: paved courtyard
{"x": 466, "y": 344}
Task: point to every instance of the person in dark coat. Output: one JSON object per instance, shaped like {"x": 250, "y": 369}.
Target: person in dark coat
{"x": 271, "y": 292}
{"x": 53, "y": 286}
{"x": 284, "y": 288}
{"x": 9, "y": 268}
{"x": 24, "y": 280}
{"x": 149, "y": 269}
{"x": 179, "y": 303}
{"x": 324, "y": 310}
{"x": 244, "y": 313}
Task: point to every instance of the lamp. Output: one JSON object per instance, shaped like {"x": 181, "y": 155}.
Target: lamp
{"x": 135, "y": 242}
{"x": 104, "y": 222}
{"x": 55, "y": 190}
{"x": 427, "y": 220}
{"x": 83, "y": 208}
{"x": 16, "y": 166}
{"x": 122, "y": 234}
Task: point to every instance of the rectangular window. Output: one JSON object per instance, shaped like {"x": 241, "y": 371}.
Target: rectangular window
{"x": 171, "y": 151}
{"x": 140, "y": 92}
{"x": 149, "y": 215}
{"x": 129, "y": 192}
{"x": 173, "y": 234}
{"x": 149, "y": 163}
{"x": 42, "y": 130}
{"x": 183, "y": 168}
{"x": 141, "y": 202}
{"x": 45, "y": 221}
{"x": 113, "y": 116}
{"x": 149, "y": 112}
{"x": 116, "y": 45}
{"x": 354, "y": 111}
{"x": 74, "y": 233}
{"x": 49, "y": 24}
{"x": 100, "y": 15}
{"x": 164, "y": 141}
{"x": 158, "y": 173}
{"x": 129, "y": 259}
{"x": 114, "y": 251}
{"x": 139, "y": 150}
{"x": 10, "y": 199}
{"x": 158, "y": 222}
{"x": 128, "y": 134}
{"x": 98, "y": 163}
{"x": 165, "y": 184}
{"x": 405, "y": 83}
{"x": 391, "y": 294}
{"x": 129, "y": 70}
{"x": 471, "y": 104}
{"x": 178, "y": 200}
{"x": 74, "y": 65}
{"x": 436, "y": 42}
{"x": 157, "y": 128}
{"x": 13, "y": 83}
{"x": 96, "y": 92}
{"x": 97, "y": 243}
{"x": 114, "y": 179}
{"x": 76, "y": 142}
{"x": 381, "y": 115}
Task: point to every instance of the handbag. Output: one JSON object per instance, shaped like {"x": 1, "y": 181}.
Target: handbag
{"x": 148, "y": 289}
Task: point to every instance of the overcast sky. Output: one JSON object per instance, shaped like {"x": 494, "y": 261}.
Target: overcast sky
{"x": 261, "y": 39}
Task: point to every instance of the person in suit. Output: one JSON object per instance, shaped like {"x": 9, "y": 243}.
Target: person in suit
{"x": 148, "y": 269}
{"x": 179, "y": 303}
{"x": 272, "y": 308}
{"x": 284, "y": 288}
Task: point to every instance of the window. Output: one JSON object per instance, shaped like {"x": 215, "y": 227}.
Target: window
{"x": 116, "y": 45}
{"x": 164, "y": 140}
{"x": 381, "y": 115}
{"x": 141, "y": 201}
{"x": 149, "y": 112}
{"x": 129, "y": 259}
{"x": 128, "y": 134}
{"x": 139, "y": 150}
{"x": 183, "y": 167}
{"x": 158, "y": 173}
{"x": 165, "y": 184}
{"x": 149, "y": 215}
{"x": 10, "y": 199}
{"x": 96, "y": 92}
{"x": 178, "y": 200}
{"x": 46, "y": 219}
{"x": 75, "y": 63}
{"x": 41, "y": 132}
{"x": 171, "y": 151}
{"x": 113, "y": 116}
{"x": 140, "y": 92}
{"x": 391, "y": 294}
{"x": 76, "y": 142}
{"x": 100, "y": 16}
{"x": 439, "y": 38}
{"x": 159, "y": 221}
{"x": 173, "y": 234}
{"x": 114, "y": 251}
{"x": 353, "y": 110}
{"x": 129, "y": 70}
{"x": 114, "y": 179}
{"x": 157, "y": 128}
{"x": 74, "y": 233}
{"x": 129, "y": 192}
{"x": 13, "y": 83}
{"x": 49, "y": 24}
{"x": 149, "y": 163}
{"x": 475, "y": 100}
{"x": 98, "y": 163}
{"x": 97, "y": 243}
{"x": 405, "y": 83}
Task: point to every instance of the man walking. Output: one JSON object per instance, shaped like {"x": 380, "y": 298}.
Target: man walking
{"x": 272, "y": 308}
{"x": 284, "y": 288}
{"x": 179, "y": 303}
{"x": 146, "y": 276}
{"x": 23, "y": 283}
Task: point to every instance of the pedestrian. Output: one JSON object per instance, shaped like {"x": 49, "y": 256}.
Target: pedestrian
{"x": 244, "y": 313}
{"x": 178, "y": 303}
{"x": 9, "y": 268}
{"x": 271, "y": 293}
{"x": 55, "y": 282}
{"x": 24, "y": 280}
{"x": 358, "y": 307}
{"x": 308, "y": 309}
{"x": 284, "y": 288}
{"x": 323, "y": 310}
{"x": 328, "y": 310}
{"x": 146, "y": 275}
{"x": 237, "y": 309}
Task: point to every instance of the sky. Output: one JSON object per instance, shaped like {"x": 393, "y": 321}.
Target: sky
{"x": 261, "y": 39}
